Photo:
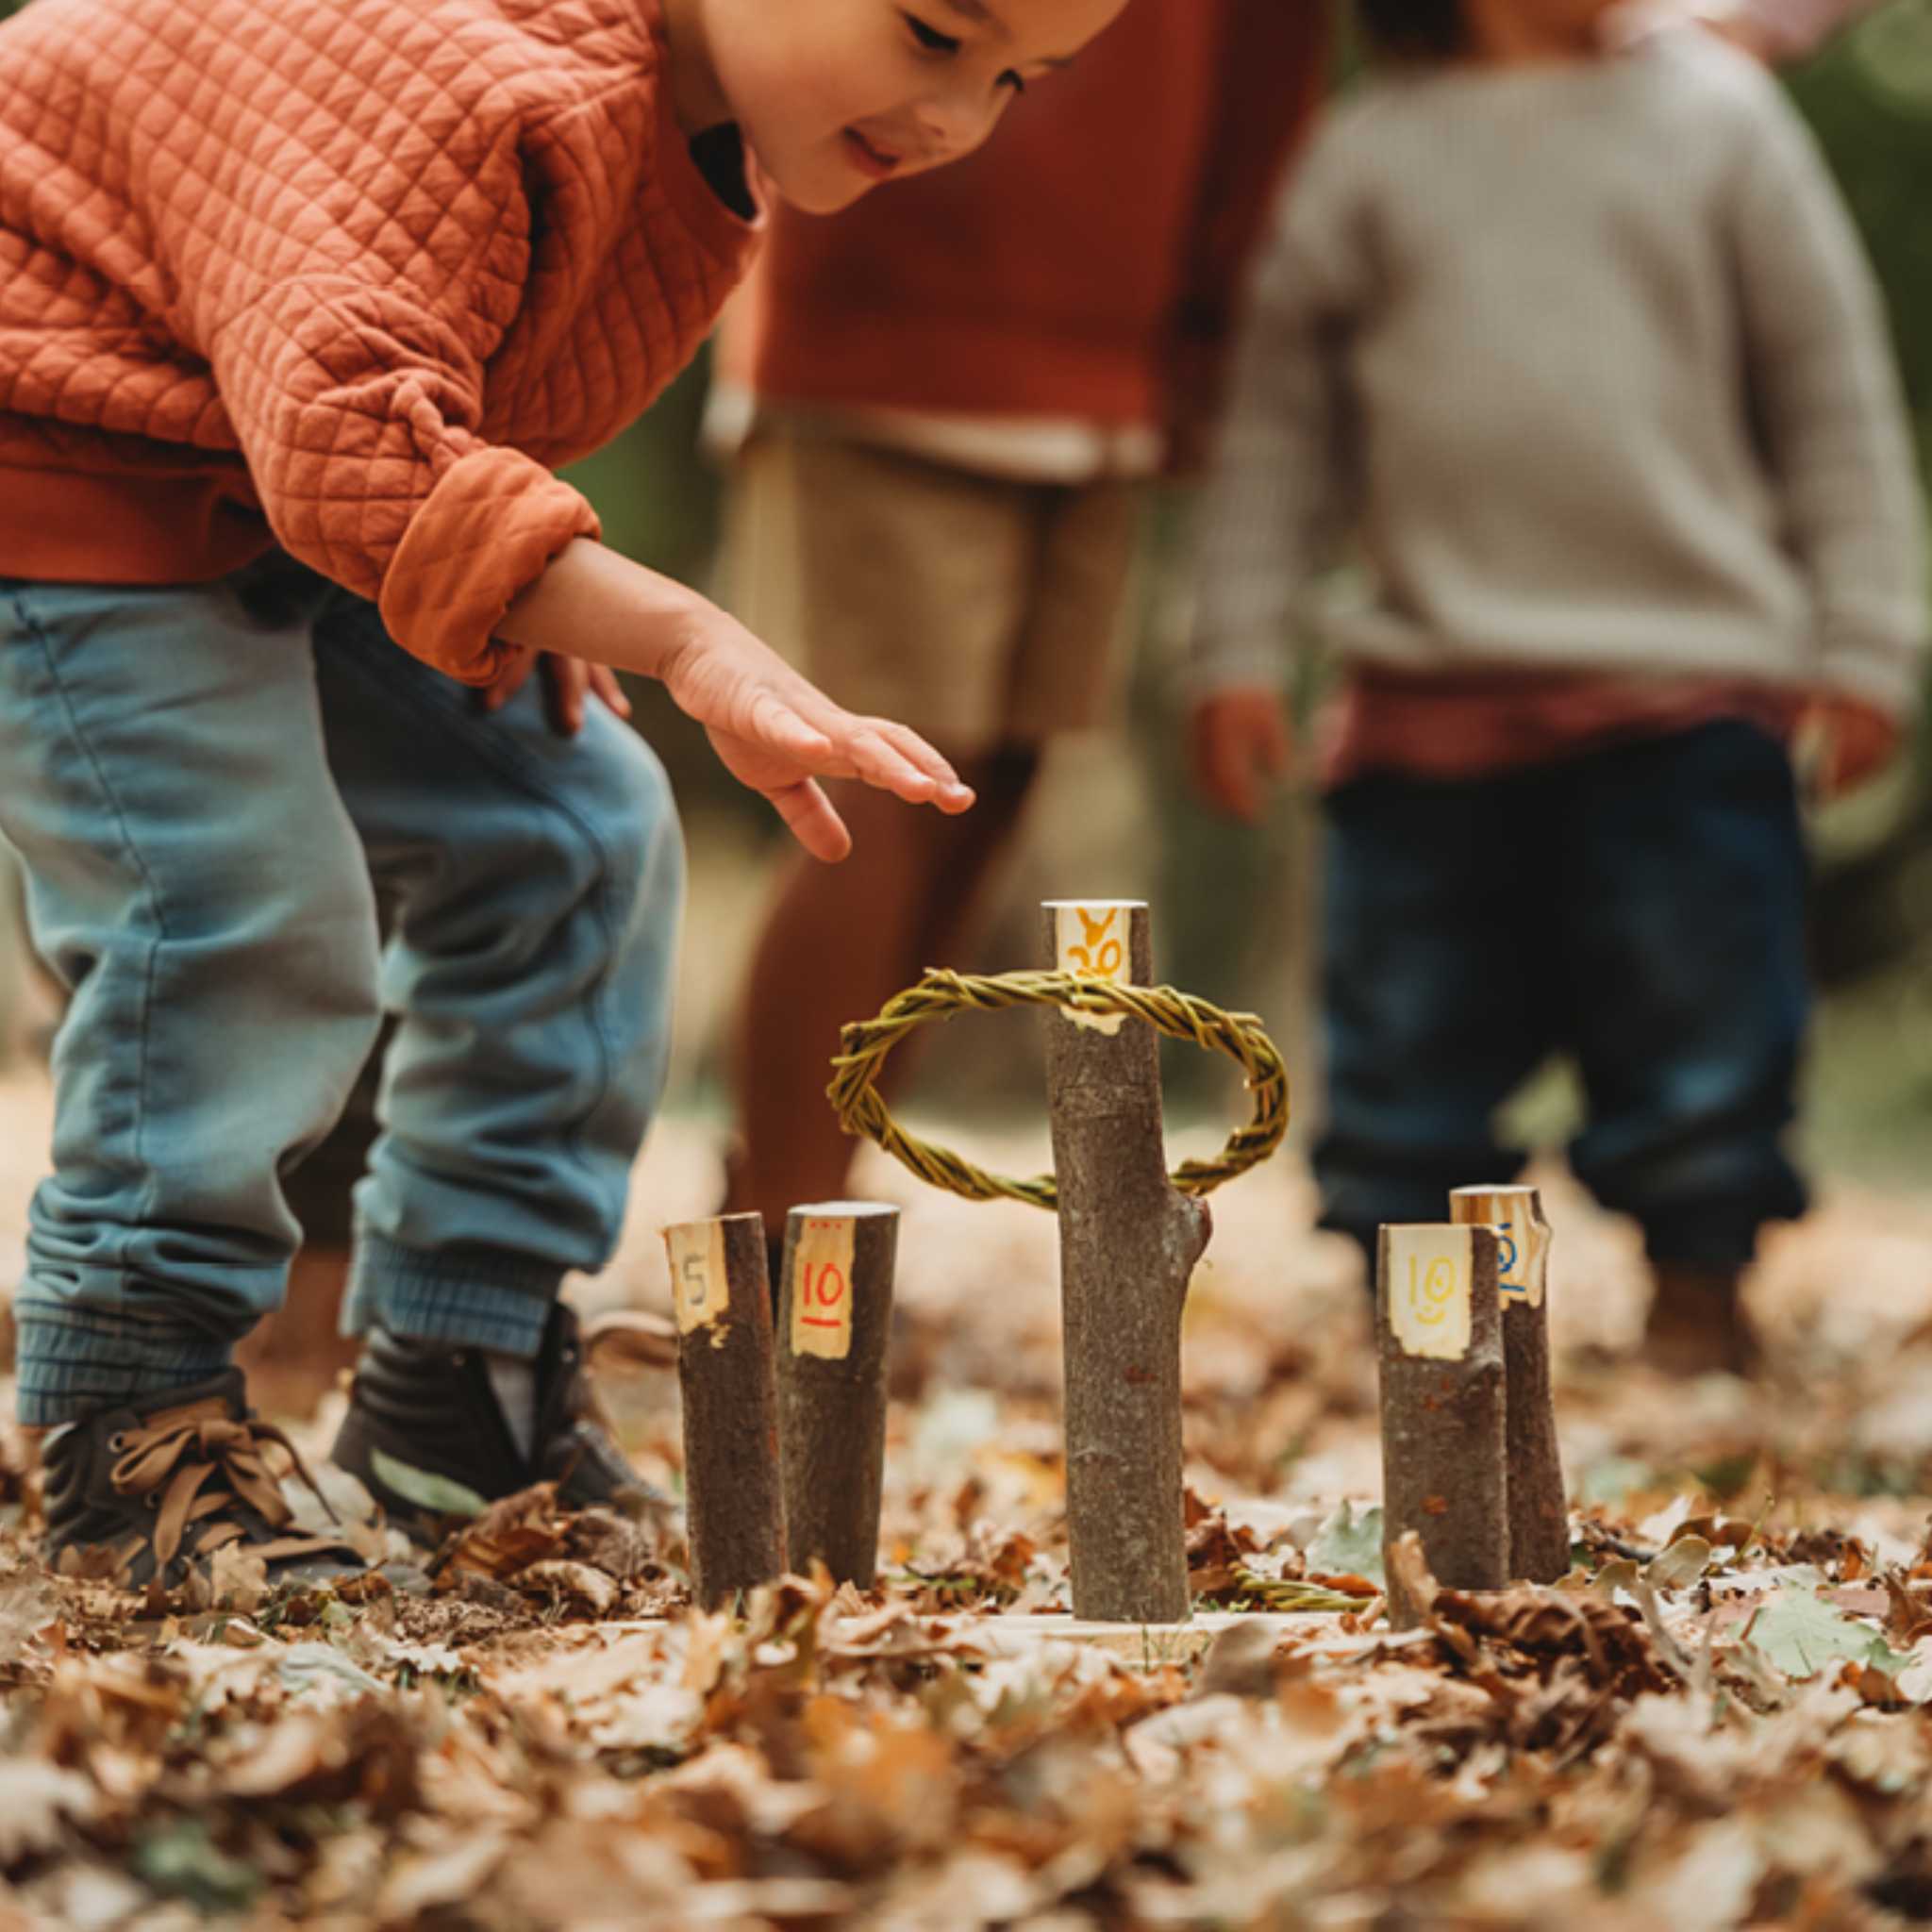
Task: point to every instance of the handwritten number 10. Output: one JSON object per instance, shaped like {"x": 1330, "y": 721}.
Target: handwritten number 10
{"x": 824, "y": 1287}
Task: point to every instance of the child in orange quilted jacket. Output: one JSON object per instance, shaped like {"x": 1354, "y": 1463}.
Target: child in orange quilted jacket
{"x": 300, "y": 303}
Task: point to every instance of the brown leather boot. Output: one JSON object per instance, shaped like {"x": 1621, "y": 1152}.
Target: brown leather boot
{"x": 1697, "y": 1325}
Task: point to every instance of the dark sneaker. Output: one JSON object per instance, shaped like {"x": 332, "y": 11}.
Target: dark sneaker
{"x": 157, "y": 1488}
{"x": 1697, "y": 1326}
{"x": 425, "y": 1435}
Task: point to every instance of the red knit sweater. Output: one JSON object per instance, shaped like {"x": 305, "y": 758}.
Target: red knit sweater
{"x": 353, "y": 272}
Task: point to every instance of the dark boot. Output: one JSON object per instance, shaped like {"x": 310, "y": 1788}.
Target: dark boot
{"x": 426, "y": 1437}
{"x": 158, "y": 1487}
{"x": 1697, "y": 1326}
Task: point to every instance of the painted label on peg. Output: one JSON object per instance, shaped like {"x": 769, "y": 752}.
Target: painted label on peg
{"x": 700, "y": 1288}
{"x": 1431, "y": 1279}
{"x": 1522, "y": 1237}
{"x": 1093, "y": 941}
{"x": 822, "y": 1287}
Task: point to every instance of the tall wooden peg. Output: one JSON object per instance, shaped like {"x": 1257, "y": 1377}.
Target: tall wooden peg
{"x": 1129, "y": 1241}
{"x": 727, "y": 1375}
{"x": 835, "y": 1319}
{"x": 1539, "y": 1509}
{"x": 1439, "y": 1333}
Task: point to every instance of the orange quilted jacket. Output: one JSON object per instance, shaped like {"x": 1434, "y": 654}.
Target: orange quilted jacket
{"x": 346, "y": 275}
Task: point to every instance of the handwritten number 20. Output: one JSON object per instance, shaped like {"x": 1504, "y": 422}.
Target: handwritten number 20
{"x": 1100, "y": 957}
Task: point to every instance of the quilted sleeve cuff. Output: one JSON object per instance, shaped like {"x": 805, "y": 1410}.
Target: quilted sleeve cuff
{"x": 484, "y": 534}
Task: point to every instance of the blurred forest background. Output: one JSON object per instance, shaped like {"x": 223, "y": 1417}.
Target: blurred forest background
{"x": 1233, "y": 907}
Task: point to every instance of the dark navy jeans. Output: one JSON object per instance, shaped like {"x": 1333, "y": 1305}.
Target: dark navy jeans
{"x": 1639, "y": 908}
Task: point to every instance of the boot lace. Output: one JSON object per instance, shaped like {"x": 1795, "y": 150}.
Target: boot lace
{"x": 192, "y": 1471}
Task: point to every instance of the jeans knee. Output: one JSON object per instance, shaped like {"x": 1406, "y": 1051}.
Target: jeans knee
{"x": 339, "y": 936}
{"x": 630, "y": 831}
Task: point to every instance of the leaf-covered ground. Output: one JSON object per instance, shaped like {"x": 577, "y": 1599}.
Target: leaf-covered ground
{"x": 1720, "y": 1719}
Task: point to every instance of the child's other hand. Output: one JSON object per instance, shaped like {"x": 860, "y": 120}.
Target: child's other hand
{"x": 1240, "y": 746}
{"x": 779, "y": 734}
{"x": 1855, "y": 742}
{"x": 568, "y": 685}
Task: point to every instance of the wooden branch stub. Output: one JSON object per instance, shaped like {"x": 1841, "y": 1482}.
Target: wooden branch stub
{"x": 1539, "y": 1507}
{"x": 834, "y": 1320}
{"x": 1130, "y": 1241}
{"x": 1444, "y": 1475}
{"x": 727, "y": 1376}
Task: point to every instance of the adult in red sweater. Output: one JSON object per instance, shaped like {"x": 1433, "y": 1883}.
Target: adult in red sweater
{"x": 946, "y": 408}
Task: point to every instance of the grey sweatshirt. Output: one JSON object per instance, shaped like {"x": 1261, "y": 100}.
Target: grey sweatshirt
{"x": 1590, "y": 360}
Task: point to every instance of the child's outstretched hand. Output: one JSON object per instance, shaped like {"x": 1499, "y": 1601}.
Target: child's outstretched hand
{"x": 779, "y": 734}
{"x": 776, "y": 731}
{"x": 1241, "y": 746}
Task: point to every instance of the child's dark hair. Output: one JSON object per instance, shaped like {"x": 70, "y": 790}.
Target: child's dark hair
{"x": 1413, "y": 32}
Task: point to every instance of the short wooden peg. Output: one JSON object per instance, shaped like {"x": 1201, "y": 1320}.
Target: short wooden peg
{"x": 727, "y": 1375}
{"x": 1539, "y": 1509}
{"x": 835, "y": 1319}
{"x": 1438, "y": 1335}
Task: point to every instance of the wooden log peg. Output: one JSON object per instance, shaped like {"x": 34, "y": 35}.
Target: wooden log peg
{"x": 1538, "y": 1508}
{"x": 835, "y": 1317}
{"x": 1129, "y": 1241}
{"x": 1439, "y": 1338}
{"x": 727, "y": 1375}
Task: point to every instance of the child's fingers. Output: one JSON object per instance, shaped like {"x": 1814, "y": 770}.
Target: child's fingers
{"x": 893, "y": 758}
{"x": 514, "y": 670}
{"x": 775, "y": 725}
{"x": 1230, "y": 775}
{"x": 1238, "y": 791}
{"x": 563, "y": 694}
{"x": 868, "y": 755}
{"x": 604, "y": 681}
{"x": 1240, "y": 745}
{"x": 951, "y": 795}
{"x": 809, "y": 815}
{"x": 1852, "y": 742}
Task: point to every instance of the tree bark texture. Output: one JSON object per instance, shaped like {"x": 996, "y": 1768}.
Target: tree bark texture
{"x": 834, "y": 1320}
{"x": 1130, "y": 1241}
{"x": 1539, "y": 1505}
{"x": 727, "y": 1375}
{"x": 1439, "y": 1333}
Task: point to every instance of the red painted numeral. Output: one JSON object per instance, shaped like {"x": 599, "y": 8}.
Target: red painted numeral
{"x": 824, "y": 1291}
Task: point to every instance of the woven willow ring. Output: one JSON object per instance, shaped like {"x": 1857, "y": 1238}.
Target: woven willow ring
{"x": 854, "y": 1092}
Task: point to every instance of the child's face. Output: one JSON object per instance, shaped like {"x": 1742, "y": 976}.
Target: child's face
{"x": 834, "y": 96}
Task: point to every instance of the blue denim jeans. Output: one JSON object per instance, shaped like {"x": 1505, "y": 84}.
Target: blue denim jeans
{"x": 201, "y": 782}
{"x": 1640, "y": 908}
